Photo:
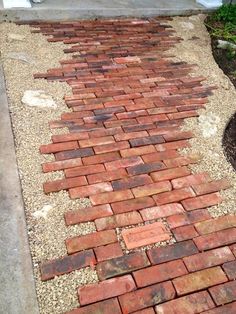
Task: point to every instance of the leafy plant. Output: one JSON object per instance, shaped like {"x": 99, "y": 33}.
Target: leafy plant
{"x": 226, "y": 13}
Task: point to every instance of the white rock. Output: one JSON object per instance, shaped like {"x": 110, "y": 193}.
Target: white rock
{"x": 187, "y": 25}
{"x": 21, "y": 56}
{"x": 223, "y": 44}
{"x": 38, "y": 98}
{"x": 15, "y": 37}
{"x": 43, "y": 212}
{"x": 208, "y": 124}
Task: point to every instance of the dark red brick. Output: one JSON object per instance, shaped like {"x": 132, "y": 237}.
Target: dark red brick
{"x": 134, "y": 204}
{"x": 230, "y": 270}
{"x": 224, "y": 293}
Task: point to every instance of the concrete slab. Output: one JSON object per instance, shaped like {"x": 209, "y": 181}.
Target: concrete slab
{"x": 80, "y": 9}
{"x": 17, "y": 293}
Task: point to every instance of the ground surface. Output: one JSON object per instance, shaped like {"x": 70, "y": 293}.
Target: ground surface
{"x": 147, "y": 235}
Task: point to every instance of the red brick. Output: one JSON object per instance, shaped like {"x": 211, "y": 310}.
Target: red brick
{"x": 107, "y": 252}
{"x": 177, "y": 135}
{"x": 159, "y": 110}
{"x": 202, "y": 201}
{"x": 111, "y": 147}
{"x": 61, "y": 165}
{"x": 190, "y": 180}
{"x": 138, "y": 151}
{"x": 111, "y": 197}
{"x": 120, "y": 220}
{"x": 131, "y": 114}
{"x": 230, "y": 269}
{"x": 225, "y": 309}
{"x": 131, "y": 182}
{"x": 153, "y": 157}
{"x": 183, "y": 115}
{"x": 107, "y": 176}
{"x": 161, "y": 211}
{"x": 181, "y": 161}
{"x": 199, "y": 280}
{"x": 59, "y": 138}
{"x": 211, "y": 187}
{"x": 101, "y": 158}
{"x": 184, "y": 233}
{"x": 172, "y": 252}
{"x": 146, "y": 297}
{"x": 213, "y": 240}
{"x": 198, "y": 215}
{"x": 63, "y": 184}
{"x": 131, "y": 135}
{"x": 172, "y": 145}
{"x": 87, "y": 214}
{"x": 208, "y": 259}
{"x": 213, "y": 225}
{"x": 173, "y": 196}
{"x": 134, "y": 59}
{"x": 159, "y": 273}
{"x": 91, "y": 240}
{"x": 233, "y": 248}
{"x": 127, "y": 96}
{"x": 169, "y": 174}
{"x": 76, "y": 115}
{"x": 122, "y": 265}
{"x": 104, "y": 307}
{"x": 105, "y": 132}
{"x": 96, "y": 141}
{"x": 69, "y": 154}
{"x": 178, "y": 220}
{"x": 145, "y": 235}
{"x": 152, "y": 118}
{"x": 80, "y": 96}
{"x": 84, "y": 170}
{"x": 123, "y": 163}
{"x": 134, "y": 204}
{"x": 149, "y": 310}
{"x": 148, "y": 140}
{"x": 193, "y": 303}
{"x": 145, "y": 168}
{"x": 106, "y": 289}
{"x": 66, "y": 264}
{"x": 225, "y": 293}
{"x": 151, "y": 189}
{"x": 59, "y": 147}
{"x": 85, "y": 191}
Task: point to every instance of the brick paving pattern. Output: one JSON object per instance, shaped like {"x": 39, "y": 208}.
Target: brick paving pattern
{"x": 128, "y": 104}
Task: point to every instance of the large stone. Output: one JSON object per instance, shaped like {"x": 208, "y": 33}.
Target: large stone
{"x": 38, "y": 98}
{"x": 20, "y": 56}
{"x": 208, "y": 124}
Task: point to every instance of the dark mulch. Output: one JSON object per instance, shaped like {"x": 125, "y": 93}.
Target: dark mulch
{"x": 229, "y": 141}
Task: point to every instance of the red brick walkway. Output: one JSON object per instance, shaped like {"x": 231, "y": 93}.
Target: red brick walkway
{"x": 129, "y": 101}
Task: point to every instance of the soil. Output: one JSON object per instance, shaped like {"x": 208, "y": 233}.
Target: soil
{"x": 229, "y": 141}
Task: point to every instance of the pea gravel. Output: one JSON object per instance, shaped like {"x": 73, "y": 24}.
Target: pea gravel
{"x": 30, "y": 126}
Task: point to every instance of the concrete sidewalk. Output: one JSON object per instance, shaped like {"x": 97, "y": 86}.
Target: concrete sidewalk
{"x": 79, "y": 9}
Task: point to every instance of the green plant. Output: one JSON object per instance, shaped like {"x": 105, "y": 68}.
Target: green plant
{"x": 226, "y": 13}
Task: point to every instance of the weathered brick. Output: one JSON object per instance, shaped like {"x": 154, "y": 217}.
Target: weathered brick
{"x": 66, "y": 264}
{"x": 59, "y": 147}
{"x": 173, "y": 196}
{"x": 190, "y": 180}
{"x": 63, "y": 184}
{"x": 84, "y": 170}
{"x": 134, "y": 204}
{"x": 172, "y": 252}
{"x": 96, "y": 141}
{"x": 151, "y": 189}
{"x": 224, "y": 293}
{"x": 146, "y": 297}
{"x": 159, "y": 273}
{"x": 129, "y": 136}
{"x": 198, "y": 215}
{"x": 87, "y": 214}
{"x": 120, "y": 220}
{"x": 161, "y": 211}
{"x": 137, "y": 151}
{"x": 202, "y": 201}
{"x": 122, "y": 265}
{"x": 193, "y": 303}
{"x": 199, "y": 280}
{"x": 185, "y": 233}
{"x": 61, "y": 165}
{"x": 145, "y": 235}
{"x": 145, "y": 168}
{"x": 154, "y": 157}
{"x": 131, "y": 182}
{"x": 89, "y": 190}
{"x": 181, "y": 161}
{"x": 172, "y": 145}
{"x": 107, "y": 252}
{"x": 91, "y": 240}
{"x": 169, "y": 174}
{"x": 211, "y": 187}
{"x": 152, "y": 118}
{"x": 213, "y": 225}
{"x": 102, "y": 158}
{"x": 208, "y": 259}
{"x": 111, "y": 197}
{"x": 226, "y": 309}
{"x": 106, "y": 289}
{"x": 104, "y": 307}
{"x": 230, "y": 269}
{"x": 111, "y": 147}
{"x": 123, "y": 163}
{"x": 60, "y": 138}
{"x": 183, "y": 115}
{"x": 108, "y": 176}
{"x": 178, "y": 220}
{"x": 149, "y": 310}
{"x": 69, "y": 154}
{"x": 149, "y": 140}
{"x": 177, "y": 136}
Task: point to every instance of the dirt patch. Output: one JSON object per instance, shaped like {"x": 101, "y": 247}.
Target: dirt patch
{"x": 229, "y": 141}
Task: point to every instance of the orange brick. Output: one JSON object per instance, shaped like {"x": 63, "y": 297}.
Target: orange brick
{"x": 199, "y": 280}
{"x": 96, "y": 141}
{"x": 211, "y": 187}
{"x": 202, "y": 201}
{"x": 107, "y": 252}
{"x": 134, "y": 204}
{"x": 173, "y": 196}
{"x": 61, "y": 165}
{"x": 151, "y": 189}
{"x": 87, "y": 214}
{"x": 106, "y": 289}
{"x": 190, "y": 180}
{"x": 84, "y": 170}
{"x": 59, "y": 147}
{"x": 145, "y": 235}
{"x": 161, "y": 211}
{"x": 111, "y": 197}
{"x": 90, "y": 190}
{"x": 64, "y": 184}
{"x": 181, "y": 161}
{"x": 90, "y": 241}
{"x": 169, "y": 174}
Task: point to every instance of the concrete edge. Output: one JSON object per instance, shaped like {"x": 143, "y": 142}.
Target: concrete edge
{"x": 14, "y": 15}
{"x": 17, "y": 293}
